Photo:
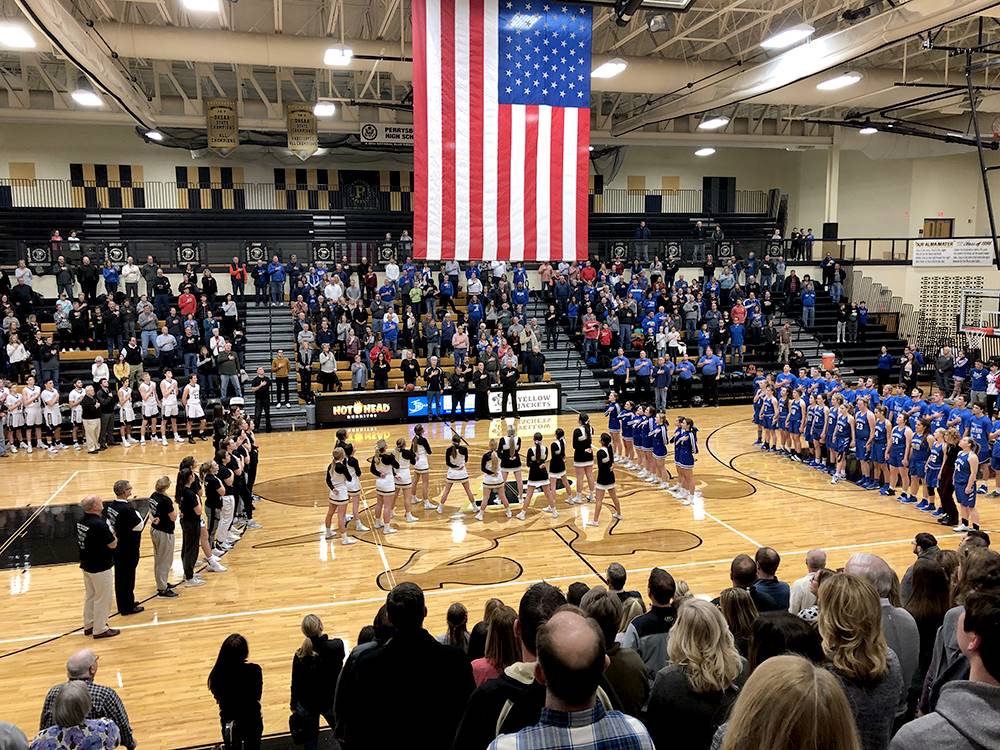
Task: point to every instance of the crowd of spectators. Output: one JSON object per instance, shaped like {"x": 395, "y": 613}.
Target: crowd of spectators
{"x": 852, "y": 659}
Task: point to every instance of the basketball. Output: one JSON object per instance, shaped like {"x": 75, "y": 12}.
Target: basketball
{"x": 408, "y": 387}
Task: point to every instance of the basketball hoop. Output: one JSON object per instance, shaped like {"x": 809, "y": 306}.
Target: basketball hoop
{"x": 974, "y": 337}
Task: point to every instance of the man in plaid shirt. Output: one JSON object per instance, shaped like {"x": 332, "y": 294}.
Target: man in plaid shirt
{"x": 571, "y": 660}
{"x": 106, "y": 704}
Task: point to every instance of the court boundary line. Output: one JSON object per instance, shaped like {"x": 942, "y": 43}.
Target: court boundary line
{"x": 37, "y": 512}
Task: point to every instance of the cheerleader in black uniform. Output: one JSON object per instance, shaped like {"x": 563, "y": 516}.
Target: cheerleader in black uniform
{"x": 354, "y": 488}
{"x": 557, "y": 464}
{"x": 384, "y": 466}
{"x": 404, "y": 478}
{"x": 605, "y": 480}
{"x": 583, "y": 460}
{"x": 422, "y": 468}
{"x": 538, "y": 477}
{"x": 492, "y": 480}
{"x": 510, "y": 459}
{"x": 337, "y": 477}
{"x": 456, "y": 458}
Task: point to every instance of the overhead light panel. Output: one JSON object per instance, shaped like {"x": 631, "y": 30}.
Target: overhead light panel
{"x": 85, "y": 97}
{"x": 154, "y": 135}
{"x": 839, "y": 82}
{"x": 868, "y": 130}
{"x": 324, "y": 108}
{"x": 15, "y": 36}
{"x": 707, "y": 151}
{"x": 713, "y": 123}
{"x": 788, "y": 37}
{"x": 609, "y": 69}
{"x": 202, "y": 6}
{"x": 338, "y": 57}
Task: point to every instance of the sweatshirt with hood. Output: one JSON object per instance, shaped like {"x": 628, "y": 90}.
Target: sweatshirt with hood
{"x": 967, "y": 717}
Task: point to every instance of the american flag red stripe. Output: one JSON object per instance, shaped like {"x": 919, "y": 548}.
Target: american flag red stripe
{"x": 495, "y": 176}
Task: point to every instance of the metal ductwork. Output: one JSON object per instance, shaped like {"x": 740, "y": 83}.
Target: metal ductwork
{"x": 760, "y": 82}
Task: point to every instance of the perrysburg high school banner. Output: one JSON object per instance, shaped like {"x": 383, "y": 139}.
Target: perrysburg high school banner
{"x": 501, "y": 118}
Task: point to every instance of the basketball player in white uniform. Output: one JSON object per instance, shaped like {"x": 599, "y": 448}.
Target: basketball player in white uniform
{"x": 126, "y": 414}
{"x": 168, "y": 400}
{"x": 193, "y": 409}
{"x": 5, "y": 387}
{"x": 52, "y": 417}
{"x": 75, "y": 410}
{"x": 31, "y": 401}
{"x": 15, "y": 419}
{"x": 150, "y": 408}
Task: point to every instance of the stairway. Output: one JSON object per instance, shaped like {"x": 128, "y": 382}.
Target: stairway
{"x": 269, "y": 329}
{"x": 802, "y": 339}
{"x": 581, "y": 390}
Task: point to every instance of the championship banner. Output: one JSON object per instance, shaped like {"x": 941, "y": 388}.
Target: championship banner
{"x": 222, "y": 125}
{"x": 303, "y": 140}
{"x": 969, "y": 251}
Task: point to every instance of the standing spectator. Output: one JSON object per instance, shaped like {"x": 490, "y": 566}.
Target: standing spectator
{"x": 97, "y": 543}
{"x": 944, "y": 367}
{"x": 23, "y": 274}
{"x": 793, "y": 292}
{"x": 88, "y": 275}
{"x": 105, "y": 703}
{"x": 642, "y": 236}
{"x": 228, "y": 365}
{"x": 107, "y": 400}
{"x": 434, "y": 378}
{"x": 260, "y": 387}
{"x": 700, "y": 234}
{"x": 163, "y": 518}
{"x": 712, "y": 367}
{"x": 411, "y": 660}
{"x": 534, "y": 365}
{"x": 801, "y": 594}
{"x": 130, "y": 275}
{"x": 276, "y": 277}
{"x": 166, "y": 348}
{"x": 571, "y": 661}
{"x": 161, "y": 293}
{"x": 91, "y": 415}
{"x": 315, "y": 670}
{"x": 150, "y": 270}
{"x": 127, "y": 525}
{"x": 236, "y": 685}
{"x": 261, "y": 279}
{"x": 65, "y": 276}
{"x": 238, "y": 277}
{"x": 692, "y": 694}
{"x": 768, "y": 560}
{"x": 784, "y": 343}
{"x": 359, "y": 374}
{"x": 808, "y": 305}
{"x": 868, "y": 670}
{"x": 306, "y": 340}
{"x": 111, "y": 278}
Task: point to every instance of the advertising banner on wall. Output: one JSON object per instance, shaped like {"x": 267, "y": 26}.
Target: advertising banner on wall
{"x": 381, "y": 132}
{"x": 957, "y": 251}
{"x": 222, "y": 125}
{"x": 530, "y": 399}
{"x": 303, "y": 140}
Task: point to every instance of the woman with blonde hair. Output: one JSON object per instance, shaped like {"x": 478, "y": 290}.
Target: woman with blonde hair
{"x": 850, "y": 624}
{"x": 502, "y": 647}
{"x": 404, "y": 479}
{"x": 791, "y": 704}
{"x": 631, "y": 608}
{"x": 538, "y": 477}
{"x": 477, "y": 636}
{"x": 739, "y": 611}
{"x": 337, "y": 477}
{"x": 315, "y": 671}
{"x": 384, "y": 465}
{"x": 492, "y": 480}
{"x": 691, "y": 696}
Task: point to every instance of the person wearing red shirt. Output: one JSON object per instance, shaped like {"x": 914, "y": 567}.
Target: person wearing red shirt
{"x": 588, "y": 273}
{"x": 380, "y": 348}
{"x": 739, "y": 313}
{"x": 591, "y": 331}
{"x": 604, "y": 339}
{"x": 187, "y": 303}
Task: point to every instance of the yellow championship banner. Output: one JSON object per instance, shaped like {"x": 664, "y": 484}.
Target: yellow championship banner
{"x": 303, "y": 139}
{"x": 222, "y": 125}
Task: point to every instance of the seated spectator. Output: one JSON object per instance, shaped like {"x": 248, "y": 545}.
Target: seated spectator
{"x": 626, "y": 673}
{"x": 967, "y": 713}
{"x": 924, "y": 545}
{"x": 501, "y": 648}
{"x": 850, "y": 624}
{"x": 776, "y": 633}
{"x": 571, "y": 660}
{"x": 81, "y": 667}
{"x": 71, "y": 729}
{"x": 791, "y": 704}
{"x": 740, "y": 613}
{"x": 743, "y": 574}
{"x": 477, "y": 636}
{"x": 647, "y": 633}
{"x": 768, "y": 560}
{"x": 691, "y": 696}
{"x": 12, "y": 738}
{"x": 458, "y": 623}
{"x": 800, "y": 594}
{"x": 575, "y": 592}
{"x": 236, "y": 685}
{"x": 411, "y": 661}
{"x": 617, "y": 577}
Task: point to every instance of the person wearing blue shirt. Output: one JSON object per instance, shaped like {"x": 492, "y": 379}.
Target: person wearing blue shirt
{"x": 649, "y": 326}
{"x": 704, "y": 340}
{"x": 475, "y": 315}
{"x": 938, "y": 411}
{"x": 662, "y": 374}
{"x": 885, "y": 362}
{"x": 387, "y": 293}
{"x": 685, "y": 373}
{"x": 111, "y": 278}
{"x": 390, "y": 332}
{"x": 572, "y": 314}
{"x": 711, "y": 368}
{"x": 520, "y": 295}
{"x": 643, "y": 369}
{"x": 977, "y": 384}
{"x": 276, "y": 273}
{"x": 785, "y": 378}
{"x": 520, "y": 275}
{"x": 447, "y": 293}
{"x": 620, "y": 367}
{"x": 960, "y": 416}
{"x": 736, "y": 339}
{"x": 808, "y": 305}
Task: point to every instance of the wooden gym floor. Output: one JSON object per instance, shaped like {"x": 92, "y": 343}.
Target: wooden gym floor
{"x": 286, "y": 570}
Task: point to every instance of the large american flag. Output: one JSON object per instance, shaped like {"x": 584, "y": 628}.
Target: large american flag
{"x": 501, "y": 109}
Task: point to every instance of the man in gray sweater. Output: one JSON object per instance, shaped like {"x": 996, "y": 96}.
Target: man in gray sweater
{"x": 967, "y": 715}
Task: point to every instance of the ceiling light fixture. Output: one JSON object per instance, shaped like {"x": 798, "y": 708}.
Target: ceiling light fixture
{"x": 324, "y": 108}
{"x": 707, "y": 151}
{"x": 338, "y": 57}
{"x": 202, "y": 6}
{"x": 15, "y": 36}
{"x": 839, "y": 82}
{"x": 788, "y": 37}
{"x": 713, "y": 123}
{"x": 609, "y": 69}
{"x": 86, "y": 97}
{"x": 154, "y": 135}
{"x": 868, "y": 130}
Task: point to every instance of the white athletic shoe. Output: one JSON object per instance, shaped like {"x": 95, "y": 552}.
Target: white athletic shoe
{"x": 178, "y": 438}
{"x": 215, "y": 566}
{"x": 25, "y": 446}
{"x": 142, "y": 441}
{"x": 440, "y": 508}
{"x": 330, "y": 534}
{"x": 962, "y": 528}
{"x": 428, "y": 505}
{"x": 53, "y": 449}
{"x": 835, "y": 479}
{"x": 591, "y": 522}
{"x": 195, "y": 582}
{"x": 387, "y": 529}
{"x": 253, "y": 523}
{"x": 552, "y": 512}
{"x": 76, "y": 447}
{"x": 348, "y": 539}
{"x": 575, "y": 500}
{"x": 29, "y": 448}
{"x": 378, "y": 523}
{"x": 410, "y": 518}
{"x": 479, "y": 516}
{"x": 616, "y": 516}
{"x": 358, "y": 526}
{"x": 163, "y": 440}
{"x": 520, "y": 516}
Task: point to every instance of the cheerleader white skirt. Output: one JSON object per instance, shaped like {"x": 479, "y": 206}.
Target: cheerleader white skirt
{"x": 338, "y": 494}
{"x": 457, "y": 475}
{"x": 403, "y": 478}
{"x": 422, "y": 466}
{"x": 491, "y": 481}
{"x": 354, "y": 487}
{"x": 605, "y": 486}
{"x": 385, "y": 484}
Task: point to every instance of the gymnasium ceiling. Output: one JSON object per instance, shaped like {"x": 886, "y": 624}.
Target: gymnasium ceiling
{"x": 270, "y": 52}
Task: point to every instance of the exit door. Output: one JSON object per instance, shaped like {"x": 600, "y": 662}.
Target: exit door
{"x": 939, "y": 228}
